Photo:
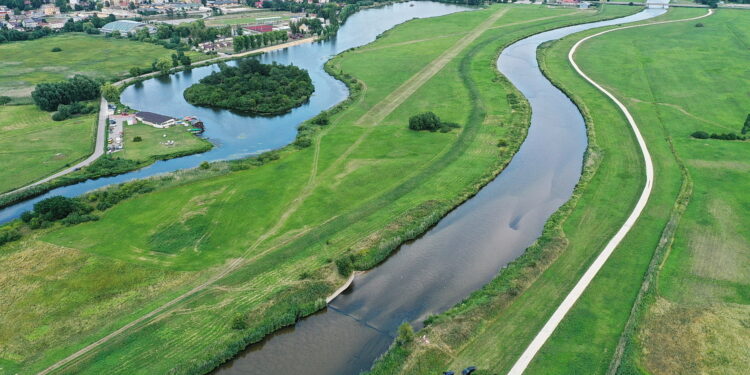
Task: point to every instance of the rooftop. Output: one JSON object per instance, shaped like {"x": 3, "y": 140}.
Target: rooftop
{"x": 154, "y": 118}
{"x": 123, "y": 26}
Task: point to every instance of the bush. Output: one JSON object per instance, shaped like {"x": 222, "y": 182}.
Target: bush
{"x": 405, "y": 334}
{"x": 700, "y": 135}
{"x": 502, "y": 143}
{"x": 344, "y": 265}
{"x": 9, "y": 235}
{"x": 205, "y": 165}
{"x": 303, "y": 142}
{"x": 698, "y": 24}
{"x": 5, "y": 100}
{"x": 321, "y": 119}
{"x": 424, "y": 121}
{"x": 56, "y": 49}
{"x": 137, "y": 138}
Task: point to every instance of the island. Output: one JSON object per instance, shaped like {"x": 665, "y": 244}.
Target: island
{"x": 253, "y": 87}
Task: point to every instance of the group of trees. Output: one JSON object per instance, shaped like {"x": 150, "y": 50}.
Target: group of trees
{"x": 68, "y": 210}
{"x": 246, "y": 42}
{"x": 253, "y": 87}
{"x": 731, "y": 136}
{"x": 49, "y": 96}
{"x": 430, "y": 122}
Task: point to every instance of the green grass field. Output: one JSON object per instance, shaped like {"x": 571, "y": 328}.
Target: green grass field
{"x": 33, "y": 146}
{"x": 265, "y": 227}
{"x": 695, "y": 320}
{"x": 250, "y": 17}
{"x": 25, "y": 64}
{"x": 154, "y": 143}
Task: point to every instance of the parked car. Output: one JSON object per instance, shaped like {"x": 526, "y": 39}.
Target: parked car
{"x": 468, "y": 370}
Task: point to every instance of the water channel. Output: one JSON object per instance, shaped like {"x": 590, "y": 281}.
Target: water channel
{"x": 460, "y": 254}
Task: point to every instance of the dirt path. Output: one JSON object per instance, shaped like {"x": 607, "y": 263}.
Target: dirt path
{"x": 374, "y": 116}
{"x": 546, "y": 332}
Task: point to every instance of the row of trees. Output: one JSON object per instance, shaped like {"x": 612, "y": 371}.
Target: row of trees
{"x": 726, "y": 136}
{"x": 253, "y": 87}
{"x": 246, "y": 42}
{"x": 49, "y": 96}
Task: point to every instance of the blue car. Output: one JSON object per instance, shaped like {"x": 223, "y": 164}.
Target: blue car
{"x": 468, "y": 370}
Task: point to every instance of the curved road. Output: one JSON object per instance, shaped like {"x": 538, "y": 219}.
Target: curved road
{"x": 544, "y": 334}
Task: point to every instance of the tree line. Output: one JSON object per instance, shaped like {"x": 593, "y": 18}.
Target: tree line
{"x": 246, "y": 42}
{"x": 253, "y": 87}
{"x": 731, "y": 136}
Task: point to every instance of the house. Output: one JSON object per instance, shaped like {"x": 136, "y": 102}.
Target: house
{"x": 154, "y": 119}
{"x": 29, "y": 23}
{"x": 584, "y": 5}
{"x": 49, "y": 9}
{"x": 4, "y": 11}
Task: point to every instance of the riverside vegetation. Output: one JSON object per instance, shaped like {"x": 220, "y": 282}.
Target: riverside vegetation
{"x": 253, "y": 87}
{"x": 252, "y": 245}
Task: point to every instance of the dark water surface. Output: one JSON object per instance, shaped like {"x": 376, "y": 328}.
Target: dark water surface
{"x": 459, "y": 255}
{"x": 236, "y": 135}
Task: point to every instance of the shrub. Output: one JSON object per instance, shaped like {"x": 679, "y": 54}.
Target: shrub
{"x": 405, "y": 334}
{"x": 424, "y": 121}
{"x": 321, "y": 119}
{"x": 5, "y": 100}
{"x": 205, "y": 165}
{"x": 745, "y": 127}
{"x": 137, "y": 138}
{"x": 9, "y": 235}
{"x": 56, "y": 49}
{"x": 700, "y": 135}
{"x": 502, "y": 143}
{"x": 344, "y": 265}
{"x": 303, "y": 142}
{"x": 699, "y": 24}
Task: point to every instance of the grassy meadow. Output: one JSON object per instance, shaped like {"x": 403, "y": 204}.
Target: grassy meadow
{"x": 249, "y": 17}
{"x": 695, "y": 320}
{"x": 259, "y": 243}
{"x": 33, "y": 146}
{"x": 153, "y": 142}
{"x": 25, "y": 64}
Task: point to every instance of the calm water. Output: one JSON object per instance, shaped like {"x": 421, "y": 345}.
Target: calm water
{"x": 459, "y": 255}
{"x": 236, "y": 135}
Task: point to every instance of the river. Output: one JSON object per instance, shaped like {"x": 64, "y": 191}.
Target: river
{"x": 236, "y": 135}
{"x": 464, "y": 251}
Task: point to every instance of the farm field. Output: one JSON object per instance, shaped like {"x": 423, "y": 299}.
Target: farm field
{"x": 25, "y": 64}
{"x": 153, "y": 142}
{"x": 694, "y": 320}
{"x": 491, "y": 329}
{"x": 258, "y": 244}
{"x": 34, "y": 146}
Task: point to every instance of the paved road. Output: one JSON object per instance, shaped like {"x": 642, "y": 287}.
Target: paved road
{"x": 98, "y": 150}
{"x": 544, "y": 334}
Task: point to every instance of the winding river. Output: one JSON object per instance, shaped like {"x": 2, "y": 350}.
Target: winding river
{"x": 464, "y": 251}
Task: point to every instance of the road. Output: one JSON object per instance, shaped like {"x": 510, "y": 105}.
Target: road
{"x": 544, "y": 334}
{"x": 98, "y": 151}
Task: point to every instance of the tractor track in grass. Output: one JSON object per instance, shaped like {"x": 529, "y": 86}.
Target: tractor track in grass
{"x": 375, "y": 115}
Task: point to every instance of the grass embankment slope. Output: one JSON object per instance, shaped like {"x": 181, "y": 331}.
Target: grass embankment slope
{"x": 366, "y": 184}
{"x": 492, "y": 328}
{"x": 33, "y": 146}
{"x": 27, "y": 63}
{"x": 154, "y": 143}
{"x": 695, "y": 318}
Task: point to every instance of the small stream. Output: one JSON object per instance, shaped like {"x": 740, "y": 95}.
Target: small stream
{"x": 461, "y": 253}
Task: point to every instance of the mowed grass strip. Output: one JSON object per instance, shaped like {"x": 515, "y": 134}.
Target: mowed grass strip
{"x": 365, "y": 203}
{"x": 25, "y": 64}
{"x": 695, "y": 319}
{"x": 33, "y": 146}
